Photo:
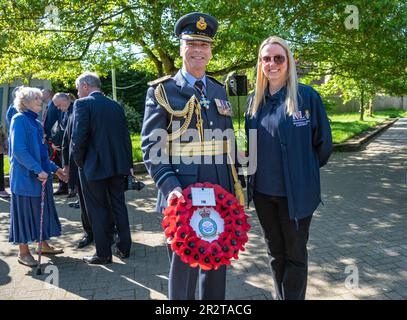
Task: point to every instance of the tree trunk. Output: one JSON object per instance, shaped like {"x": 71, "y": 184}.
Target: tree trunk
{"x": 362, "y": 109}
{"x": 371, "y": 107}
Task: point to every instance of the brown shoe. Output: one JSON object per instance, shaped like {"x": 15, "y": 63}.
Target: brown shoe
{"x": 27, "y": 261}
{"x": 50, "y": 250}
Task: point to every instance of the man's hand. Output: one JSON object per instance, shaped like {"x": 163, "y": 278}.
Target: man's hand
{"x": 61, "y": 175}
{"x": 57, "y": 148}
{"x": 176, "y": 193}
{"x": 42, "y": 176}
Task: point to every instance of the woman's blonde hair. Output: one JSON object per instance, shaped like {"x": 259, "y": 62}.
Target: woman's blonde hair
{"x": 23, "y": 97}
{"x": 291, "y": 100}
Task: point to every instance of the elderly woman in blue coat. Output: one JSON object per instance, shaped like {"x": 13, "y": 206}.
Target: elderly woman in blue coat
{"x": 29, "y": 168}
{"x": 293, "y": 141}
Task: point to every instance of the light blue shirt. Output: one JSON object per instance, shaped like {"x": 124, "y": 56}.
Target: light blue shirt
{"x": 191, "y": 79}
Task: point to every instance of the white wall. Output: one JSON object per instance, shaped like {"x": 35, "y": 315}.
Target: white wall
{"x": 42, "y": 84}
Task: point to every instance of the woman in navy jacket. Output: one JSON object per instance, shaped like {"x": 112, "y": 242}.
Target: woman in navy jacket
{"x": 29, "y": 167}
{"x": 293, "y": 141}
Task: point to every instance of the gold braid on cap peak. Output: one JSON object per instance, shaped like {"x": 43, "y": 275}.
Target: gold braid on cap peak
{"x": 187, "y": 113}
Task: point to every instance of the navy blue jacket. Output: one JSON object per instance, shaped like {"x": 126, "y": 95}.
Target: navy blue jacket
{"x": 101, "y": 143}
{"x": 306, "y": 144}
{"x": 53, "y": 114}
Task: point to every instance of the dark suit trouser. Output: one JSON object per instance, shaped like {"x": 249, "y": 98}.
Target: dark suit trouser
{"x": 1, "y": 172}
{"x": 73, "y": 181}
{"x": 286, "y": 246}
{"x": 86, "y": 224}
{"x": 183, "y": 278}
{"x": 97, "y": 195}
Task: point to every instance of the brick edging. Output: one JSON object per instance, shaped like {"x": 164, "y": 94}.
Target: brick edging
{"x": 356, "y": 143}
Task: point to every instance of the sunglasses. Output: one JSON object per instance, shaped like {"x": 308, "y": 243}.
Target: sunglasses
{"x": 278, "y": 59}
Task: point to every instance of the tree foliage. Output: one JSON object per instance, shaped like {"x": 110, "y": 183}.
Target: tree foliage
{"x": 57, "y": 39}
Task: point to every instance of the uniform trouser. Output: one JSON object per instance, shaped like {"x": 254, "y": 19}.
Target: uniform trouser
{"x": 286, "y": 246}
{"x": 98, "y": 194}
{"x": 183, "y": 278}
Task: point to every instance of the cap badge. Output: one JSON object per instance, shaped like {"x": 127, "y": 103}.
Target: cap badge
{"x": 201, "y": 24}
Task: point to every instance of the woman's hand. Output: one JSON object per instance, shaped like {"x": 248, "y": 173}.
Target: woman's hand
{"x": 42, "y": 176}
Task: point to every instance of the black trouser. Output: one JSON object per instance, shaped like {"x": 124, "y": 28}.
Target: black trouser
{"x": 97, "y": 195}
{"x": 86, "y": 224}
{"x": 1, "y": 172}
{"x": 56, "y": 157}
{"x": 286, "y": 246}
{"x": 73, "y": 181}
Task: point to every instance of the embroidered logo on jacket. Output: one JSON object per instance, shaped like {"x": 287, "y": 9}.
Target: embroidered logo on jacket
{"x": 301, "y": 119}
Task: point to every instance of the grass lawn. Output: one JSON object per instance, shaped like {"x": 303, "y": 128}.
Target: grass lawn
{"x": 136, "y": 144}
{"x": 347, "y": 125}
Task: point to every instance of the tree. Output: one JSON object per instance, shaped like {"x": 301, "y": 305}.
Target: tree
{"x": 61, "y": 37}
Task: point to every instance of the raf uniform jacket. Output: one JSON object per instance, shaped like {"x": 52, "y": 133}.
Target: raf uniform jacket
{"x": 168, "y": 176}
{"x": 100, "y": 142}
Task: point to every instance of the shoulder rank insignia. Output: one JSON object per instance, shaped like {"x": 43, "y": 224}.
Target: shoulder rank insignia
{"x": 224, "y": 107}
{"x": 159, "y": 80}
{"x": 213, "y": 79}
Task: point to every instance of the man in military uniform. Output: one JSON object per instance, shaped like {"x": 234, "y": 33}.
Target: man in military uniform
{"x": 186, "y": 107}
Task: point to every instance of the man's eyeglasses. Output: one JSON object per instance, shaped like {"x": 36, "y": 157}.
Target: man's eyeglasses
{"x": 278, "y": 59}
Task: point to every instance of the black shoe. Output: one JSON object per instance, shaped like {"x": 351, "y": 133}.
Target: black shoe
{"x": 71, "y": 194}
{"x": 86, "y": 240}
{"x": 97, "y": 260}
{"x": 75, "y": 204}
{"x": 120, "y": 254}
{"x": 60, "y": 192}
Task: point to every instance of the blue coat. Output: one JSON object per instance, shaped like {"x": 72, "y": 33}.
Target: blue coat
{"x": 25, "y": 157}
{"x": 171, "y": 175}
{"x": 306, "y": 145}
{"x": 100, "y": 142}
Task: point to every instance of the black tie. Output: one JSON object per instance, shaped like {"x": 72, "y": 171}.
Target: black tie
{"x": 199, "y": 85}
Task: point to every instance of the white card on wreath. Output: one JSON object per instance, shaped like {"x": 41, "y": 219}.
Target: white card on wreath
{"x": 203, "y": 197}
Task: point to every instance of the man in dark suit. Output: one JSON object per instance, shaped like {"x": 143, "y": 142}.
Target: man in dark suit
{"x": 51, "y": 116}
{"x": 101, "y": 148}
{"x": 71, "y": 170}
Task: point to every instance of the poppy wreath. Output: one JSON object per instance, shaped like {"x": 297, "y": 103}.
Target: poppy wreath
{"x": 193, "y": 248}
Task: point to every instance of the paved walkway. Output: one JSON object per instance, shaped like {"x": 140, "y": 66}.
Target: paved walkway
{"x": 360, "y": 231}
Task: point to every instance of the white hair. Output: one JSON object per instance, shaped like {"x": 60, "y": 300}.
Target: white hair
{"x": 23, "y": 97}
{"x": 90, "y": 78}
